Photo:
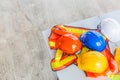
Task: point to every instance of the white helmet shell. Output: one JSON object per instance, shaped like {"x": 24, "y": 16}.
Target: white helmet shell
{"x": 111, "y": 29}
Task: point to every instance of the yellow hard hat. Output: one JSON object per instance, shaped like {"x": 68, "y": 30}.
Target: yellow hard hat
{"x": 92, "y": 61}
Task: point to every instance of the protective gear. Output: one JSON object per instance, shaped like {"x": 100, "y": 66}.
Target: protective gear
{"x": 111, "y": 29}
{"x": 117, "y": 56}
{"x": 113, "y": 67}
{"x": 60, "y": 62}
{"x": 114, "y": 77}
{"x": 69, "y": 44}
{"x": 93, "y": 40}
{"x": 92, "y": 61}
{"x": 59, "y": 30}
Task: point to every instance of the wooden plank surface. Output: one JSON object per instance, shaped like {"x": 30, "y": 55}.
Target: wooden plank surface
{"x": 23, "y": 54}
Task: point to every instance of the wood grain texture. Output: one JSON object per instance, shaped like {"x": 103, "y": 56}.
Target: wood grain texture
{"x": 23, "y": 54}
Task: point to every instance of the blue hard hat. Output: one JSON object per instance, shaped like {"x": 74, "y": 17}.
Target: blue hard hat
{"x": 93, "y": 40}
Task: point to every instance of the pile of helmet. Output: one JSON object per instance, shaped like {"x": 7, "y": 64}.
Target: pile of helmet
{"x": 94, "y": 56}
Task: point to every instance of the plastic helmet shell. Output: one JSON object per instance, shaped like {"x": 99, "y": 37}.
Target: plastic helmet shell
{"x": 111, "y": 29}
{"x": 92, "y": 61}
{"x": 93, "y": 40}
{"x": 69, "y": 43}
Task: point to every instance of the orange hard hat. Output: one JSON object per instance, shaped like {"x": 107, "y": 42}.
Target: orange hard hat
{"x": 69, "y": 43}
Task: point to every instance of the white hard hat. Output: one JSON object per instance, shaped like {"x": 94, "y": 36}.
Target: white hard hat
{"x": 111, "y": 29}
